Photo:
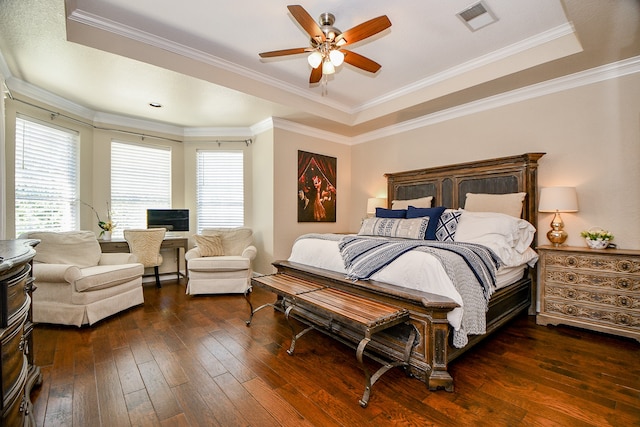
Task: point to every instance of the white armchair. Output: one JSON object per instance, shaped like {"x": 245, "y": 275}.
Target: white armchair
{"x": 221, "y": 261}
{"x": 76, "y": 284}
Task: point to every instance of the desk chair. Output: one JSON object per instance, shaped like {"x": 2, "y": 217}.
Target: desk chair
{"x": 145, "y": 245}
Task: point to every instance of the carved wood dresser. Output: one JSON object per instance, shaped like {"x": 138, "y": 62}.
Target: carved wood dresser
{"x": 593, "y": 289}
{"x": 18, "y": 374}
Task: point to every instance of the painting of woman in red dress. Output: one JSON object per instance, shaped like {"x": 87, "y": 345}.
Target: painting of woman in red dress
{"x": 316, "y": 187}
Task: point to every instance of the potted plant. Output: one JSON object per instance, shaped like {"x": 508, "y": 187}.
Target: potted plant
{"x": 597, "y": 238}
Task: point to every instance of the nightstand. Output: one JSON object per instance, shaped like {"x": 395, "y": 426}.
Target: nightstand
{"x": 592, "y": 289}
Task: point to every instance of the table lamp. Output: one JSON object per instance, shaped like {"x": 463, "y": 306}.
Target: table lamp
{"x": 373, "y": 203}
{"x": 558, "y": 199}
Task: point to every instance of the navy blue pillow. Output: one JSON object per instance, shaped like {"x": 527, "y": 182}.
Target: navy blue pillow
{"x": 432, "y": 213}
{"x": 390, "y": 213}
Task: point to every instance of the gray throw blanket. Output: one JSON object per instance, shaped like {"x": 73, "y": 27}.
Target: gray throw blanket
{"x": 471, "y": 268}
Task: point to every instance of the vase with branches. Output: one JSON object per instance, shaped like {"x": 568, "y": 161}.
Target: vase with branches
{"x": 106, "y": 226}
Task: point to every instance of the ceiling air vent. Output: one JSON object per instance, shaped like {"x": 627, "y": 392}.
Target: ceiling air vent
{"x": 477, "y": 16}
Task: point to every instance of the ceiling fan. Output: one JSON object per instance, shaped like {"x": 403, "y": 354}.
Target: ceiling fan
{"x": 327, "y": 43}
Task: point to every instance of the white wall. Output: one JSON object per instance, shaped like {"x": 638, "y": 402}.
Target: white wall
{"x": 286, "y": 225}
{"x": 591, "y": 135}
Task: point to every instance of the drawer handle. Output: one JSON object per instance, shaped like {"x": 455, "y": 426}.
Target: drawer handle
{"x": 571, "y": 261}
{"x": 571, "y": 293}
{"x": 624, "y": 265}
{"x": 571, "y": 278}
{"x": 624, "y": 283}
{"x": 624, "y": 301}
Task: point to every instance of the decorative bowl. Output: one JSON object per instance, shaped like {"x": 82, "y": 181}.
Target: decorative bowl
{"x": 597, "y": 244}
{"x": 597, "y": 238}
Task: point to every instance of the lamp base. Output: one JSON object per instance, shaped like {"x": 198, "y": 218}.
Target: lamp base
{"x": 557, "y": 235}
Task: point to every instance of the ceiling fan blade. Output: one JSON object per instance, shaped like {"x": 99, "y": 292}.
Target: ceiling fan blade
{"x": 360, "y": 61}
{"x": 283, "y": 52}
{"x": 307, "y": 22}
{"x": 364, "y": 30}
{"x": 316, "y": 74}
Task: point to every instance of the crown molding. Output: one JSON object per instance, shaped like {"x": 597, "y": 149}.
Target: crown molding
{"x": 283, "y": 124}
{"x": 583, "y": 78}
{"x": 99, "y": 22}
{"x": 594, "y": 75}
{"x": 475, "y": 64}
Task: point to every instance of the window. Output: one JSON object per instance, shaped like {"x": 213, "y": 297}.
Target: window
{"x": 220, "y": 192}
{"x": 46, "y": 177}
{"x": 140, "y": 179}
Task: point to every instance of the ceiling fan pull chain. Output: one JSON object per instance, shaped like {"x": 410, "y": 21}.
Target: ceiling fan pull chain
{"x": 325, "y": 91}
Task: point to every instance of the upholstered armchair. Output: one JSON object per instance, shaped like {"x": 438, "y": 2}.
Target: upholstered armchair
{"x": 221, "y": 261}
{"x": 76, "y": 284}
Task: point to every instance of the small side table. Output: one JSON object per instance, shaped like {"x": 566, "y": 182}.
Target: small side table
{"x": 592, "y": 289}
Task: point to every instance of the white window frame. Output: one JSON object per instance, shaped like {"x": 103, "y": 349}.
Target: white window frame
{"x": 47, "y": 170}
{"x": 220, "y": 188}
{"x": 140, "y": 180}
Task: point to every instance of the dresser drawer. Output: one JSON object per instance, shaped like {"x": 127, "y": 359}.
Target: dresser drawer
{"x": 14, "y": 412}
{"x": 597, "y": 315}
{"x": 15, "y": 290}
{"x": 577, "y": 277}
{"x": 14, "y": 361}
{"x": 593, "y": 296}
{"x": 594, "y": 262}
{"x": 594, "y": 289}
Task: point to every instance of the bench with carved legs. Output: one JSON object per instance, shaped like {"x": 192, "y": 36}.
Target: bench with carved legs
{"x": 336, "y": 308}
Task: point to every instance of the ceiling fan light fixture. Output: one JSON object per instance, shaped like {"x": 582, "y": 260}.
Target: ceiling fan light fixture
{"x": 337, "y": 57}
{"x": 328, "y": 68}
{"x": 314, "y": 59}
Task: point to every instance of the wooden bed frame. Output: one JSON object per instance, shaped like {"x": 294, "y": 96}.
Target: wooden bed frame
{"x": 432, "y": 350}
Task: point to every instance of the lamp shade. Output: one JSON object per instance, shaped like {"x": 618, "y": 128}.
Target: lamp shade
{"x": 375, "y": 202}
{"x": 558, "y": 199}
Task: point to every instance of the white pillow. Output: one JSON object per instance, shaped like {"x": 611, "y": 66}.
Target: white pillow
{"x": 414, "y": 228}
{"x": 423, "y": 202}
{"x": 507, "y": 236}
{"x": 510, "y": 204}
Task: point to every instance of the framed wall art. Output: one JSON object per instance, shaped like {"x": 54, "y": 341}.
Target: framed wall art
{"x": 317, "y": 177}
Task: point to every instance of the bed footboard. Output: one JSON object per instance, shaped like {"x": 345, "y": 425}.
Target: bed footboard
{"x": 427, "y": 316}
{"x": 432, "y": 351}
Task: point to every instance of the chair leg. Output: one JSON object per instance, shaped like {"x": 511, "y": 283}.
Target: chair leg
{"x": 155, "y": 269}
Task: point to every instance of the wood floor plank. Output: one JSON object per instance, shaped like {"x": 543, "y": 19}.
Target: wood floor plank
{"x": 279, "y": 408}
{"x": 59, "y": 406}
{"x": 250, "y": 408}
{"x": 128, "y": 372}
{"x": 159, "y": 391}
{"x": 180, "y": 360}
{"x": 224, "y": 410}
{"x": 85, "y": 400}
{"x": 140, "y": 409}
{"x": 232, "y": 364}
{"x": 196, "y": 410}
{"x": 113, "y": 409}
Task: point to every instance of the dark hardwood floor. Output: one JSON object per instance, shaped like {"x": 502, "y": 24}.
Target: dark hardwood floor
{"x": 191, "y": 361}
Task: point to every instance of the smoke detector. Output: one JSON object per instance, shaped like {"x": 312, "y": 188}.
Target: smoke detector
{"x": 477, "y": 16}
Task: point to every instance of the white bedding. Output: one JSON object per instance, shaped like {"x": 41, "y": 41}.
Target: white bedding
{"x": 414, "y": 270}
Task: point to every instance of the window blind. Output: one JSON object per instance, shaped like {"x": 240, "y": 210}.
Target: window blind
{"x": 46, "y": 177}
{"x": 220, "y": 189}
{"x": 140, "y": 179}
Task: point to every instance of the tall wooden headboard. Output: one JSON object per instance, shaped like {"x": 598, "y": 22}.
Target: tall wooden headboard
{"x": 449, "y": 184}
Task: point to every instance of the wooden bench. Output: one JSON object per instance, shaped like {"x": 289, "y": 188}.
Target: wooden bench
{"x": 336, "y": 307}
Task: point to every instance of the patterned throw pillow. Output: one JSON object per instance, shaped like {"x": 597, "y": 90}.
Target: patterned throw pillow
{"x": 395, "y": 227}
{"x": 433, "y": 214}
{"x": 447, "y": 225}
{"x": 209, "y": 245}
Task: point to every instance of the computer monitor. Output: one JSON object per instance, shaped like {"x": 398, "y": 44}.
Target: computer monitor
{"x": 170, "y": 219}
